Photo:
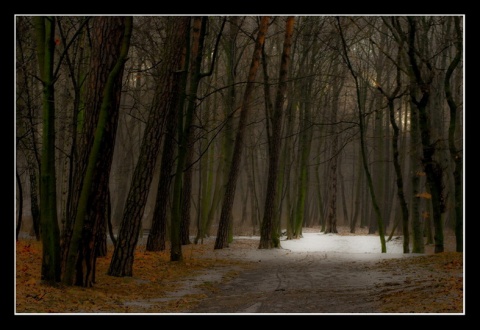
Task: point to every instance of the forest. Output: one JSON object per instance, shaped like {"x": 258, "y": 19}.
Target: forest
{"x": 179, "y": 128}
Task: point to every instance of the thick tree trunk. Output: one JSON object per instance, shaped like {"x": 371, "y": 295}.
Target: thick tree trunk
{"x": 432, "y": 168}
{"x": 106, "y": 82}
{"x": 169, "y": 89}
{"x": 225, "y": 217}
{"x": 49, "y": 229}
{"x": 268, "y": 237}
{"x": 157, "y": 235}
{"x": 455, "y": 154}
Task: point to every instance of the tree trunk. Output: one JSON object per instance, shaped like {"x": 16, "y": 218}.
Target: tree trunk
{"x": 344, "y": 198}
{"x": 396, "y": 162}
{"x": 19, "y": 204}
{"x": 50, "y": 232}
{"x": 206, "y": 174}
{"x": 361, "y": 113}
{"x": 34, "y": 208}
{"x": 225, "y": 217}
{"x": 357, "y": 196}
{"x": 432, "y": 168}
{"x": 158, "y": 231}
{"x": 398, "y": 171}
{"x": 455, "y": 154}
{"x": 169, "y": 89}
{"x": 302, "y": 191}
{"x": 332, "y": 207}
{"x": 268, "y": 237}
{"x": 106, "y": 89}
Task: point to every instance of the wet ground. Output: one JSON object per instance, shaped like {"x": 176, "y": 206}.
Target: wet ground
{"x": 282, "y": 281}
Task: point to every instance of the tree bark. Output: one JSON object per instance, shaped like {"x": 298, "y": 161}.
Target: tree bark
{"x": 106, "y": 98}
{"x": 50, "y": 232}
{"x": 455, "y": 154}
{"x": 19, "y": 205}
{"x": 268, "y": 237}
{"x": 432, "y": 168}
{"x": 396, "y": 162}
{"x": 225, "y": 217}
{"x": 361, "y": 112}
{"x": 157, "y": 235}
{"x": 169, "y": 89}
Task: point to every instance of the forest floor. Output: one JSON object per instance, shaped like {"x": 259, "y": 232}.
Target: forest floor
{"x": 242, "y": 279}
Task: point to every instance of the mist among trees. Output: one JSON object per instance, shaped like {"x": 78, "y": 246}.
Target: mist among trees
{"x": 182, "y": 128}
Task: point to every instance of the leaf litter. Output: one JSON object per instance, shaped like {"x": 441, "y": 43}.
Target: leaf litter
{"x": 430, "y": 283}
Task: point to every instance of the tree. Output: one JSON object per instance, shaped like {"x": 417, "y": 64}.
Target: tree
{"x": 455, "y": 153}
{"x": 27, "y": 120}
{"x": 420, "y": 95}
{"x": 362, "y": 141}
{"x": 112, "y": 41}
{"x": 225, "y": 217}
{"x": 396, "y": 163}
{"x": 50, "y": 232}
{"x": 372, "y": 123}
{"x": 168, "y": 92}
{"x": 186, "y": 137}
{"x": 269, "y": 235}
{"x": 332, "y": 207}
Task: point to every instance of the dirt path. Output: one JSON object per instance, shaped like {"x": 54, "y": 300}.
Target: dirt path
{"x": 242, "y": 279}
{"x": 281, "y": 281}
{"x": 311, "y": 283}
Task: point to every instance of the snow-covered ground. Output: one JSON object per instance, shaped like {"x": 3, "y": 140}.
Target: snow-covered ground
{"x": 320, "y": 242}
{"x": 334, "y": 243}
{"x": 336, "y": 246}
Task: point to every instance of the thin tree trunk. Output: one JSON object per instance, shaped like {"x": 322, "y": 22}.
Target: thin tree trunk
{"x": 302, "y": 191}
{"x": 332, "y": 207}
{"x": 396, "y": 162}
{"x": 416, "y": 171}
{"x": 183, "y": 177}
{"x": 206, "y": 174}
{"x": 34, "y": 208}
{"x": 363, "y": 147}
{"x": 357, "y": 203}
{"x": 398, "y": 171}
{"x": 109, "y": 219}
{"x": 344, "y": 198}
{"x": 19, "y": 205}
